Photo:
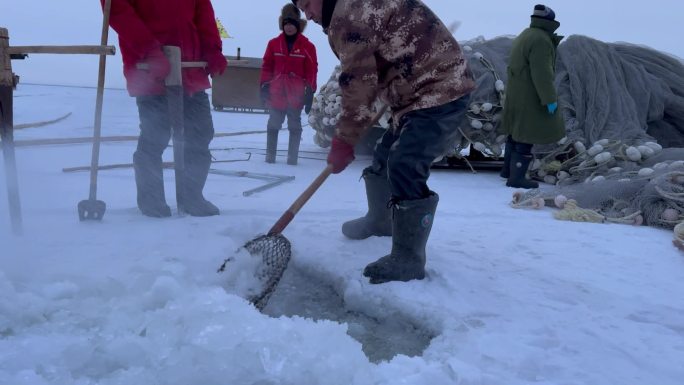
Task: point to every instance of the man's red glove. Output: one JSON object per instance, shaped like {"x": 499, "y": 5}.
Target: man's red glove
{"x": 341, "y": 155}
{"x": 216, "y": 64}
{"x": 159, "y": 66}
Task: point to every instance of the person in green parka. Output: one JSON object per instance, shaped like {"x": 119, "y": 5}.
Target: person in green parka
{"x": 530, "y": 114}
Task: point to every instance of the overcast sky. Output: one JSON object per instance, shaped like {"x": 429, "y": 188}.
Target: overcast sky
{"x": 655, "y": 23}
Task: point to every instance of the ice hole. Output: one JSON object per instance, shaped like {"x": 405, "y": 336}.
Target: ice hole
{"x": 302, "y": 294}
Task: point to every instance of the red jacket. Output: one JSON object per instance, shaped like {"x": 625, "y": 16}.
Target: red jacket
{"x": 289, "y": 72}
{"x": 146, "y": 25}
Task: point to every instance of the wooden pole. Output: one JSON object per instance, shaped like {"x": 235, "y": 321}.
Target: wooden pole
{"x": 7, "y": 84}
{"x": 174, "y": 97}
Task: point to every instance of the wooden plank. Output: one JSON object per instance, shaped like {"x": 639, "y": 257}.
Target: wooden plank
{"x": 130, "y": 165}
{"x": 42, "y": 123}
{"x": 123, "y": 138}
{"x": 64, "y": 49}
{"x": 185, "y": 64}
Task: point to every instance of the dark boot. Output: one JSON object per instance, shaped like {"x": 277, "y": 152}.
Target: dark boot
{"x": 411, "y": 225}
{"x": 293, "y": 147}
{"x": 506, "y": 169}
{"x": 271, "y": 145}
{"x": 519, "y": 164}
{"x": 149, "y": 183}
{"x": 378, "y": 219}
{"x": 196, "y": 171}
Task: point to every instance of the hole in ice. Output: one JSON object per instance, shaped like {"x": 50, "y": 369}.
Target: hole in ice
{"x": 302, "y": 294}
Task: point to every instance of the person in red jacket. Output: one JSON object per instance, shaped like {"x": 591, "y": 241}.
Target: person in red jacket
{"x": 288, "y": 81}
{"x": 144, "y": 26}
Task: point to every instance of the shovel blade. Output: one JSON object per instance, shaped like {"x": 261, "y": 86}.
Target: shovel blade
{"x": 91, "y": 209}
{"x": 274, "y": 251}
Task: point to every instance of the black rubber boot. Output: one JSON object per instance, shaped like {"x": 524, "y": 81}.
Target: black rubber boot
{"x": 149, "y": 183}
{"x": 411, "y": 225}
{"x": 293, "y": 147}
{"x": 271, "y": 145}
{"x": 378, "y": 219}
{"x": 506, "y": 169}
{"x": 519, "y": 164}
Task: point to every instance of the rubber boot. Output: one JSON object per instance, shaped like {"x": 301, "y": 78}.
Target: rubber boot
{"x": 196, "y": 171}
{"x": 378, "y": 219}
{"x": 271, "y": 145}
{"x": 293, "y": 147}
{"x": 149, "y": 183}
{"x": 506, "y": 169}
{"x": 411, "y": 225}
{"x": 519, "y": 164}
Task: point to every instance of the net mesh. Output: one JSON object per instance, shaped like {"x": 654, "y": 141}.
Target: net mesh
{"x": 275, "y": 252}
{"x": 649, "y": 196}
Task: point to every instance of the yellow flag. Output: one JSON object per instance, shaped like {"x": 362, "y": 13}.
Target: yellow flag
{"x": 222, "y": 30}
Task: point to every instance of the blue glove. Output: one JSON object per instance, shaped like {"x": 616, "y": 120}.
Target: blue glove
{"x": 552, "y": 107}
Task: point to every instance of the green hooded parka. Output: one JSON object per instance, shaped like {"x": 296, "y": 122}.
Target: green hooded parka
{"x": 530, "y": 86}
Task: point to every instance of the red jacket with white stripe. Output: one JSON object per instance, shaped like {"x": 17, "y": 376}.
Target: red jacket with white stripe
{"x": 146, "y": 25}
{"x": 289, "y": 72}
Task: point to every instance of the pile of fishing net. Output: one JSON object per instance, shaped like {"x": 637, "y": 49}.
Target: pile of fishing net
{"x": 623, "y": 107}
{"x": 325, "y": 111}
{"x": 488, "y": 62}
{"x": 615, "y": 91}
{"x": 623, "y": 157}
{"x": 652, "y": 196}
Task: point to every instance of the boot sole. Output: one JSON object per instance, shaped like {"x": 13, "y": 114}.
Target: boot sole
{"x": 376, "y": 274}
{"x": 521, "y": 186}
{"x": 379, "y": 280}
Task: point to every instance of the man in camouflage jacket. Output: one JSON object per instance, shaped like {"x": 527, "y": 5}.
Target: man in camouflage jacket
{"x": 398, "y": 51}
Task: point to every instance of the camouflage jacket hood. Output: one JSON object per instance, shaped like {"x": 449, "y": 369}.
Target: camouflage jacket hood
{"x": 398, "y": 50}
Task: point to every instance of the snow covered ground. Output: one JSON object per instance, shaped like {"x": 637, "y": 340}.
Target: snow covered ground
{"x": 512, "y": 297}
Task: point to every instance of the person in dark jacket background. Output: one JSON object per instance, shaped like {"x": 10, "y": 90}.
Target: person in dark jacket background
{"x": 143, "y": 28}
{"x": 531, "y": 113}
{"x": 288, "y": 81}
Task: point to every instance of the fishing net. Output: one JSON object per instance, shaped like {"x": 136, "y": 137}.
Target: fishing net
{"x": 325, "y": 111}
{"x": 679, "y": 236}
{"x": 273, "y": 253}
{"x": 623, "y": 107}
{"x": 652, "y": 196}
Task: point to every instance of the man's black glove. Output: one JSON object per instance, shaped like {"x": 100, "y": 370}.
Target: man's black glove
{"x": 265, "y": 93}
{"x": 308, "y": 99}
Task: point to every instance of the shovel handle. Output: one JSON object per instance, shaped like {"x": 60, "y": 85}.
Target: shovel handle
{"x": 288, "y": 215}
{"x": 97, "y": 132}
{"x": 185, "y": 64}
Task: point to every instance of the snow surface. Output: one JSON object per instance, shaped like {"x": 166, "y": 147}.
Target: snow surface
{"x": 512, "y": 296}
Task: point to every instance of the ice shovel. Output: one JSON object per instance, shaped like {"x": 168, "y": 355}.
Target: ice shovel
{"x": 273, "y": 248}
{"x": 92, "y": 208}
